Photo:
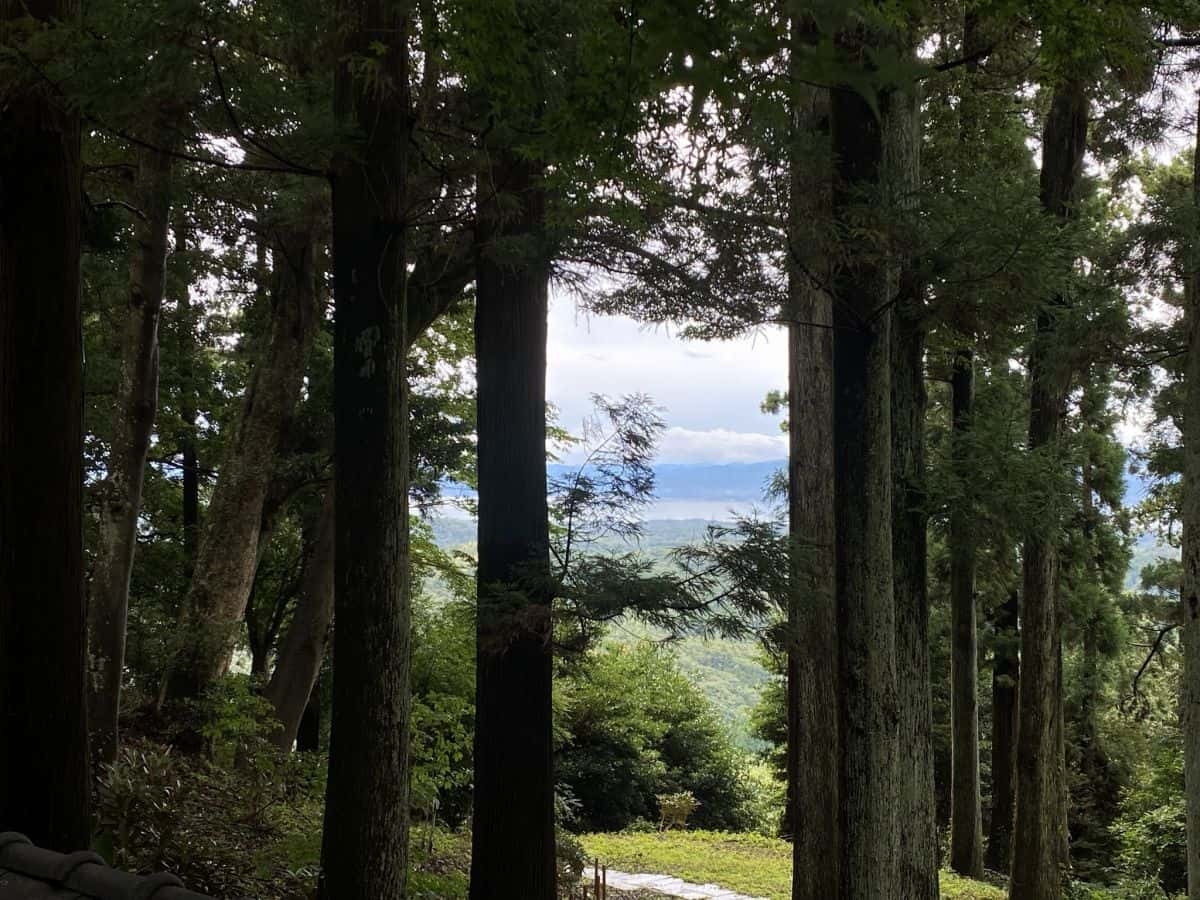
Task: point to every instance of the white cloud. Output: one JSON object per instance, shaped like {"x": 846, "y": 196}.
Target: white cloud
{"x": 714, "y": 386}
{"x": 720, "y": 445}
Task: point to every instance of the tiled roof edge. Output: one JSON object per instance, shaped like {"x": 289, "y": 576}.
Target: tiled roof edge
{"x": 86, "y": 873}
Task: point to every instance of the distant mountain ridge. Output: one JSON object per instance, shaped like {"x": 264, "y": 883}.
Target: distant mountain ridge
{"x": 733, "y": 482}
{"x": 741, "y": 482}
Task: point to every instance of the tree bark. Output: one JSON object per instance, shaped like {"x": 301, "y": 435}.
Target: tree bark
{"x": 190, "y": 477}
{"x": 120, "y": 493}
{"x": 229, "y": 541}
{"x": 814, "y": 757}
{"x": 966, "y": 821}
{"x": 364, "y": 851}
{"x": 917, "y": 861}
{"x": 1190, "y": 596}
{"x": 44, "y": 777}
{"x": 513, "y": 855}
{"x": 303, "y": 649}
{"x": 1040, "y": 854}
{"x": 917, "y": 825}
{"x": 863, "y": 503}
{"x": 308, "y": 735}
{"x": 1006, "y": 675}
{"x": 300, "y": 657}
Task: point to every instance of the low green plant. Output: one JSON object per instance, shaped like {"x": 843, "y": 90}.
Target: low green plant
{"x": 247, "y": 830}
{"x": 1126, "y": 889}
{"x": 675, "y": 809}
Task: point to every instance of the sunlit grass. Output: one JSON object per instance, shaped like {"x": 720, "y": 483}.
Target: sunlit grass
{"x": 747, "y": 863}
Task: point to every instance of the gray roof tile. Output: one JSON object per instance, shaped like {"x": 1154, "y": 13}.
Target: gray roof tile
{"x": 31, "y": 873}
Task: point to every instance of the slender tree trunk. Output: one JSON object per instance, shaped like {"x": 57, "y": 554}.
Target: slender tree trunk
{"x": 966, "y": 831}
{"x": 120, "y": 494}
{"x": 181, "y": 339}
{"x": 229, "y": 542}
{"x": 303, "y": 649}
{"x": 513, "y": 856}
{"x": 814, "y": 758}
{"x": 1006, "y": 675}
{"x": 364, "y": 852}
{"x": 917, "y": 862}
{"x": 863, "y": 503}
{"x": 263, "y": 614}
{"x": 190, "y": 477}
{"x": 44, "y": 775}
{"x": 1190, "y": 596}
{"x": 1040, "y": 854}
{"x": 308, "y": 734}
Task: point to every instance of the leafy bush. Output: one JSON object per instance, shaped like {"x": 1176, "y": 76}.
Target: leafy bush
{"x": 572, "y": 858}
{"x": 764, "y": 798}
{"x": 1151, "y": 825}
{"x": 636, "y": 727}
{"x": 443, "y": 707}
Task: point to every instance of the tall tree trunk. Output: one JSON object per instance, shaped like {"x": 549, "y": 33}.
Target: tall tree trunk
{"x": 229, "y": 541}
{"x": 303, "y": 648}
{"x": 917, "y": 825}
{"x": 513, "y": 856}
{"x": 966, "y": 822}
{"x": 1040, "y": 854}
{"x": 1190, "y": 596}
{"x": 120, "y": 494}
{"x": 966, "y": 818}
{"x": 1006, "y": 675}
{"x": 814, "y": 758}
{"x": 364, "y": 852}
{"x": 917, "y": 862}
{"x": 863, "y": 511}
{"x": 44, "y": 777}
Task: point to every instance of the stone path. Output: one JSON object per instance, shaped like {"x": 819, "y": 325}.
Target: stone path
{"x": 672, "y": 887}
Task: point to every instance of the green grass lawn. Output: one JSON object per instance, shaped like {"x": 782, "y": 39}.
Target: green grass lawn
{"x": 747, "y": 863}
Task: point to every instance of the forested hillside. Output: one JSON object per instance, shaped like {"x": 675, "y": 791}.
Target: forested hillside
{"x": 341, "y": 559}
{"x": 729, "y": 672}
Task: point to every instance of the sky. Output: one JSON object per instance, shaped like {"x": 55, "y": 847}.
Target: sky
{"x": 710, "y": 391}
